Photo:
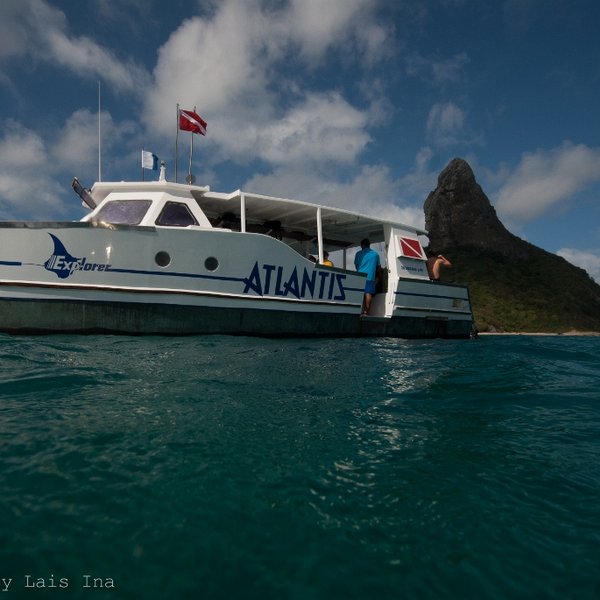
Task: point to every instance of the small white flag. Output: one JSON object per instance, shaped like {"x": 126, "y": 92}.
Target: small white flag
{"x": 149, "y": 160}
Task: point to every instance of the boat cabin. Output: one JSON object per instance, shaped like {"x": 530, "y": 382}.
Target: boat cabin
{"x": 310, "y": 229}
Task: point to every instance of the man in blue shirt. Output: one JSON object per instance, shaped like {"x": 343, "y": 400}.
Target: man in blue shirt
{"x": 367, "y": 261}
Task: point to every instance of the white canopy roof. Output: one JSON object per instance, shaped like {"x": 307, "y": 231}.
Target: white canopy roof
{"x": 341, "y": 228}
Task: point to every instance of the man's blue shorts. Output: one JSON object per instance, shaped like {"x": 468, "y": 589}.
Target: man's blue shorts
{"x": 370, "y": 287}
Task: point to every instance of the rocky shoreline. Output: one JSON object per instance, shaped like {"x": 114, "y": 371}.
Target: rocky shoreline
{"x": 566, "y": 333}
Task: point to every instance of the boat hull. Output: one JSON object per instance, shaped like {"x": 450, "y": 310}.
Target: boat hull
{"x": 29, "y": 316}
{"x": 87, "y": 278}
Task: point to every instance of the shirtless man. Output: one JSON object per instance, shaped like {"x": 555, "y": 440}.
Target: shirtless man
{"x": 434, "y": 265}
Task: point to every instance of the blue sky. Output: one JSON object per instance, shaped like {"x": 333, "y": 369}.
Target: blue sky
{"x": 353, "y": 103}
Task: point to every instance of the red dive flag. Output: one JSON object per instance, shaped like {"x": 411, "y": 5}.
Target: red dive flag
{"x": 190, "y": 121}
{"x": 411, "y": 248}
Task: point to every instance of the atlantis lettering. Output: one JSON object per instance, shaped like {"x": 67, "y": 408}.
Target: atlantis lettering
{"x": 317, "y": 284}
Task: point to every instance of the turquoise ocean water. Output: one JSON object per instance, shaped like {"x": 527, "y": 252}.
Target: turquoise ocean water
{"x": 223, "y": 467}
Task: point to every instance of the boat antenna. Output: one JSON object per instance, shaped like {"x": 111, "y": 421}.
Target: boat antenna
{"x": 176, "y": 142}
{"x": 99, "y": 137}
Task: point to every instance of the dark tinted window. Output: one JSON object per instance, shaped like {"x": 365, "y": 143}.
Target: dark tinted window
{"x": 176, "y": 214}
{"x": 123, "y": 212}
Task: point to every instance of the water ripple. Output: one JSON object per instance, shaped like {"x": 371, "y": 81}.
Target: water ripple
{"x": 235, "y": 467}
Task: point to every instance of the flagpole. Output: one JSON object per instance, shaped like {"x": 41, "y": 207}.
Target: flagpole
{"x": 99, "y": 139}
{"x": 191, "y": 153}
{"x": 176, "y": 143}
{"x": 142, "y": 163}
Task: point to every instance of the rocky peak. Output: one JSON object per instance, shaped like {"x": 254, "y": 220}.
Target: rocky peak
{"x": 459, "y": 214}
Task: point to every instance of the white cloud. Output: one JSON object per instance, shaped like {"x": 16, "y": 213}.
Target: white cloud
{"x": 26, "y": 183}
{"x": 544, "y": 179}
{"x": 24, "y": 196}
{"x": 437, "y": 72}
{"x": 586, "y": 260}
{"x": 321, "y": 128}
{"x": 228, "y": 65}
{"x": 136, "y": 12}
{"x": 445, "y": 123}
{"x": 86, "y": 58}
{"x": 371, "y": 191}
{"x": 35, "y": 173}
{"x": 76, "y": 145}
{"x": 423, "y": 158}
{"x": 317, "y": 25}
{"x": 422, "y": 179}
{"x": 13, "y": 30}
{"x": 21, "y": 147}
{"x": 213, "y": 64}
{"x": 35, "y": 28}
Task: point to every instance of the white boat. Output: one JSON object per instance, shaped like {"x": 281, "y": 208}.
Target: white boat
{"x": 159, "y": 257}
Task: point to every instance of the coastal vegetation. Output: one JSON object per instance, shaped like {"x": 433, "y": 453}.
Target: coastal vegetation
{"x": 543, "y": 293}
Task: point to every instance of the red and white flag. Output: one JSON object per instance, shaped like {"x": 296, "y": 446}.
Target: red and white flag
{"x": 411, "y": 248}
{"x": 190, "y": 121}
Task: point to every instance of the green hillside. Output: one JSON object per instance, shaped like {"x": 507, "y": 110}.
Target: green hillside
{"x": 543, "y": 293}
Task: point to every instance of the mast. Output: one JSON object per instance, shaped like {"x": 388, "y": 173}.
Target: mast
{"x": 320, "y": 234}
{"x": 99, "y": 137}
{"x": 189, "y": 177}
{"x": 176, "y": 142}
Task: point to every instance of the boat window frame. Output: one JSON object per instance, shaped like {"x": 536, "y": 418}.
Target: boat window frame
{"x": 141, "y": 206}
{"x": 170, "y": 204}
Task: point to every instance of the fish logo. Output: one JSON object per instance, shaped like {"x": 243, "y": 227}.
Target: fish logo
{"x": 61, "y": 262}
{"x": 64, "y": 264}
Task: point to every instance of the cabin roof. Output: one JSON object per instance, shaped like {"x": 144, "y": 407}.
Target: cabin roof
{"x": 341, "y": 228}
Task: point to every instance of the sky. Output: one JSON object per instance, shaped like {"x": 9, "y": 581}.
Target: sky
{"x": 357, "y": 104}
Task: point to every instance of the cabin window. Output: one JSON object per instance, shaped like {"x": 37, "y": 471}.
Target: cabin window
{"x": 123, "y": 212}
{"x": 176, "y": 214}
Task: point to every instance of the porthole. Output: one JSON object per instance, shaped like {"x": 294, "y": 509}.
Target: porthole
{"x": 162, "y": 259}
{"x": 211, "y": 263}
